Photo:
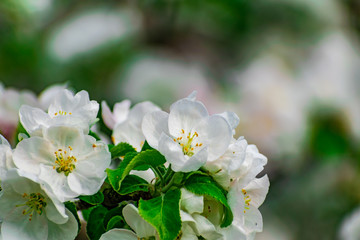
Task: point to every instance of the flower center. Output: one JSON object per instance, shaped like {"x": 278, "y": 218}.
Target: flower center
{"x": 62, "y": 113}
{"x": 187, "y": 142}
{"x": 64, "y": 161}
{"x": 35, "y": 203}
{"x": 247, "y": 200}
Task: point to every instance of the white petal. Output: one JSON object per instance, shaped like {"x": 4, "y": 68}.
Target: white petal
{"x": 33, "y": 119}
{"x": 253, "y": 220}
{"x": 184, "y": 115}
{"x": 172, "y": 152}
{"x": 66, "y": 231}
{"x": 193, "y": 163}
{"x": 232, "y": 119}
{"x": 153, "y": 125}
{"x": 116, "y": 234}
{"x": 192, "y": 96}
{"x": 191, "y": 202}
{"x": 121, "y": 111}
{"x": 188, "y": 233}
{"x": 47, "y": 96}
{"x": 64, "y": 136}
{"x": 84, "y": 185}
{"x": 215, "y": 132}
{"x": 142, "y": 228}
{"x": 138, "y": 112}
{"x": 31, "y": 152}
{"x": 56, "y": 183}
{"x": 148, "y": 175}
{"x": 257, "y": 190}
{"x": 36, "y": 229}
{"x": 234, "y": 231}
{"x": 206, "y": 228}
{"x": 127, "y": 132}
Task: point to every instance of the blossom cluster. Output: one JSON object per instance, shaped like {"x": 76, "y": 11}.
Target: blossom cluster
{"x": 163, "y": 175}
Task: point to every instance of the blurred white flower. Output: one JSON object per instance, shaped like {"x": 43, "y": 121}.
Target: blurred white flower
{"x": 91, "y": 30}
{"x": 65, "y": 109}
{"x": 164, "y": 80}
{"x": 272, "y": 106}
{"x": 28, "y": 213}
{"x": 188, "y": 136}
{"x": 6, "y": 161}
{"x": 68, "y": 162}
{"x": 47, "y": 96}
{"x": 10, "y": 102}
{"x": 350, "y": 228}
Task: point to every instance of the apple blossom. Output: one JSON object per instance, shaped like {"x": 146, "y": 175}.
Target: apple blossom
{"x": 31, "y": 214}
{"x": 67, "y": 161}
{"x": 119, "y": 114}
{"x": 66, "y": 109}
{"x": 187, "y": 136}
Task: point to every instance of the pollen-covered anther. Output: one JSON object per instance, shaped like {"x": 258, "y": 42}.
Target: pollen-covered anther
{"x": 187, "y": 143}
{"x": 247, "y": 200}
{"x": 62, "y": 113}
{"x": 35, "y": 202}
{"x": 64, "y": 161}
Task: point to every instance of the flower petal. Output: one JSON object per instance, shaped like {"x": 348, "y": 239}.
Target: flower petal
{"x": 191, "y": 202}
{"x": 31, "y": 152}
{"x": 215, "y": 132}
{"x": 185, "y": 114}
{"x": 116, "y": 234}
{"x": 66, "y": 231}
{"x": 127, "y": 132}
{"x": 142, "y": 228}
{"x": 153, "y": 125}
{"x": 138, "y": 112}
{"x": 253, "y": 220}
{"x": 257, "y": 190}
{"x": 33, "y": 119}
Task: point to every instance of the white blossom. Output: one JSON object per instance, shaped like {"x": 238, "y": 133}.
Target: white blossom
{"x": 67, "y": 161}
{"x": 66, "y": 109}
{"x": 28, "y": 213}
{"x": 188, "y": 136}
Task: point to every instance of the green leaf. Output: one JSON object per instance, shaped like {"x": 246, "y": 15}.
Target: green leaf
{"x": 72, "y": 208}
{"x": 95, "y": 225}
{"x": 205, "y": 185}
{"x": 163, "y": 213}
{"x": 95, "y": 199}
{"x": 120, "y": 150}
{"x": 115, "y": 222}
{"x": 114, "y": 176}
{"x": 132, "y": 183}
{"x": 86, "y": 213}
{"x": 94, "y": 135}
{"x": 146, "y": 146}
{"x": 114, "y": 212}
{"x": 148, "y": 157}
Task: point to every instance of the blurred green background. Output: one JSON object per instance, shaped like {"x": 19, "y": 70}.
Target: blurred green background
{"x": 289, "y": 69}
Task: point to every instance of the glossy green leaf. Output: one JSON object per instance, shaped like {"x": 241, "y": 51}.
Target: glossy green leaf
{"x": 163, "y": 213}
{"x": 95, "y": 199}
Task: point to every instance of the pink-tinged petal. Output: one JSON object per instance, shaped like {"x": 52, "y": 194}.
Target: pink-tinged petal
{"x": 107, "y": 115}
{"x": 138, "y": 112}
{"x": 116, "y": 234}
{"x": 142, "y": 228}
{"x": 215, "y": 132}
{"x": 66, "y": 231}
{"x": 22, "y": 228}
{"x": 153, "y": 125}
{"x": 33, "y": 151}
{"x": 257, "y": 190}
{"x": 33, "y": 119}
{"x": 186, "y": 114}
